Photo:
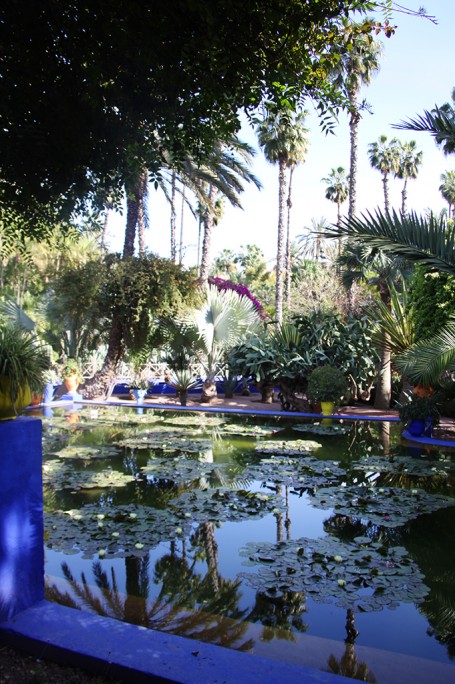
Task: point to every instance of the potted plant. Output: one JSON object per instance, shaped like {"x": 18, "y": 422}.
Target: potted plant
{"x": 183, "y": 380}
{"x": 139, "y": 387}
{"x": 23, "y": 364}
{"x": 72, "y": 375}
{"x": 326, "y": 385}
{"x": 419, "y": 413}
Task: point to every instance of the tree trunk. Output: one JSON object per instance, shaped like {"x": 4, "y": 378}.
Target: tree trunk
{"x": 353, "y": 134}
{"x": 181, "y": 227}
{"x": 385, "y": 183}
{"x": 130, "y": 229}
{"x": 404, "y": 197}
{"x": 287, "y": 289}
{"x": 384, "y": 383}
{"x": 209, "y": 391}
{"x": 280, "y": 243}
{"x": 99, "y": 384}
{"x": 208, "y": 227}
{"x": 173, "y": 219}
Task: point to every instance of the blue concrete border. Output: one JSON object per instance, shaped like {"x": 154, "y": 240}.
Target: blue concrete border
{"x": 251, "y": 412}
{"x": 428, "y": 441}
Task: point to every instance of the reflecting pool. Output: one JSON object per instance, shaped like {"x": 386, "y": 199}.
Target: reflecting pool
{"x": 254, "y": 533}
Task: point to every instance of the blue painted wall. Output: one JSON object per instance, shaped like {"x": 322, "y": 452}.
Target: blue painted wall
{"x": 21, "y": 516}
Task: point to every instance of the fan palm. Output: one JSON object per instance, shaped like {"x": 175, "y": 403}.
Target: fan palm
{"x": 408, "y": 167}
{"x": 222, "y": 321}
{"x": 385, "y": 157}
{"x": 282, "y": 136}
{"x": 358, "y": 63}
{"x": 447, "y": 190}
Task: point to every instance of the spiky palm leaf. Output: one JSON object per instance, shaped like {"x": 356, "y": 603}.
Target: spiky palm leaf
{"x": 426, "y": 240}
{"x": 428, "y": 359}
{"x": 439, "y": 123}
{"x": 395, "y": 321}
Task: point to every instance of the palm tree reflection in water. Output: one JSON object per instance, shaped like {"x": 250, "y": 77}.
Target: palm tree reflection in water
{"x": 188, "y": 604}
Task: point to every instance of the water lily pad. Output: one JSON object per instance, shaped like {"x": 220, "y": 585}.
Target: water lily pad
{"x": 359, "y": 582}
{"x": 290, "y": 447}
{"x": 386, "y": 506}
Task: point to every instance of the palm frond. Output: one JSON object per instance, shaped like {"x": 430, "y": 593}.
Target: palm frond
{"x": 426, "y": 240}
{"x": 439, "y": 123}
{"x": 427, "y": 359}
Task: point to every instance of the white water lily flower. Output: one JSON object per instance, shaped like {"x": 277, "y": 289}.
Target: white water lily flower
{"x": 139, "y": 545}
{"x": 101, "y": 553}
{"x": 341, "y": 582}
{"x": 178, "y": 530}
{"x": 338, "y": 559}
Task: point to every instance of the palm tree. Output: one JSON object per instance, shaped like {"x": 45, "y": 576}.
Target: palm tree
{"x": 337, "y": 191}
{"x": 385, "y": 157}
{"x": 312, "y": 243}
{"x": 440, "y": 123}
{"x": 359, "y": 62}
{"x": 221, "y": 176}
{"x": 360, "y": 262}
{"x": 221, "y": 322}
{"x": 447, "y": 190}
{"x": 429, "y": 241}
{"x": 410, "y": 160}
{"x": 297, "y": 156}
{"x": 136, "y": 212}
{"x": 282, "y": 136}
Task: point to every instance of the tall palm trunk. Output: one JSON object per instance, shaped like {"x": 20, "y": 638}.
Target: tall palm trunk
{"x": 287, "y": 290}
{"x": 404, "y": 197}
{"x": 173, "y": 219}
{"x": 132, "y": 211}
{"x": 385, "y": 184}
{"x": 353, "y": 135}
{"x": 208, "y": 223}
{"x": 181, "y": 226}
{"x": 384, "y": 383}
{"x": 280, "y": 243}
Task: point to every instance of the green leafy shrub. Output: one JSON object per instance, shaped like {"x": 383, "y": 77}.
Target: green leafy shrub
{"x": 326, "y": 383}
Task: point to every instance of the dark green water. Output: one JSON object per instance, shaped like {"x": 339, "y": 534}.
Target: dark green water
{"x": 251, "y": 532}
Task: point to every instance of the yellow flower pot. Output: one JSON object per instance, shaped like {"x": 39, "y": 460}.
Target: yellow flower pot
{"x": 8, "y": 410}
{"x": 327, "y": 408}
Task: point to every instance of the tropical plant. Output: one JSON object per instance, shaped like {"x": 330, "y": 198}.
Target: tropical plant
{"x": 408, "y": 168}
{"x": 72, "y": 367}
{"x": 358, "y": 62}
{"x": 183, "y": 380}
{"x": 326, "y": 383}
{"x": 337, "y": 189}
{"x": 24, "y": 361}
{"x": 416, "y": 407}
{"x": 269, "y": 357}
{"x": 222, "y": 321}
{"x": 282, "y": 136}
{"x": 429, "y": 241}
{"x": 344, "y": 342}
{"x": 447, "y": 190}
{"x": 222, "y": 175}
{"x": 385, "y": 157}
{"x": 361, "y": 263}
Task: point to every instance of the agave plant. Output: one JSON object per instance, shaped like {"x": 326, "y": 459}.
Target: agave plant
{"x": 24, "y": 361}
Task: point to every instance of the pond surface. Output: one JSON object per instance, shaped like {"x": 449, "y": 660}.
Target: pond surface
{"x": 249, "y": 532}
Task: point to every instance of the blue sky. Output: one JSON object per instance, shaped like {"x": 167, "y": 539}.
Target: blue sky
{"x": 417, "y": 72}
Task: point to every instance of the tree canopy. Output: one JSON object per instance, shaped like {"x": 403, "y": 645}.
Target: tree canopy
{"x": 91, "y": 91}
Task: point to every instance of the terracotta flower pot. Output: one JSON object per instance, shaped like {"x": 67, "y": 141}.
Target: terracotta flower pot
{"x": 71, "y": 382}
